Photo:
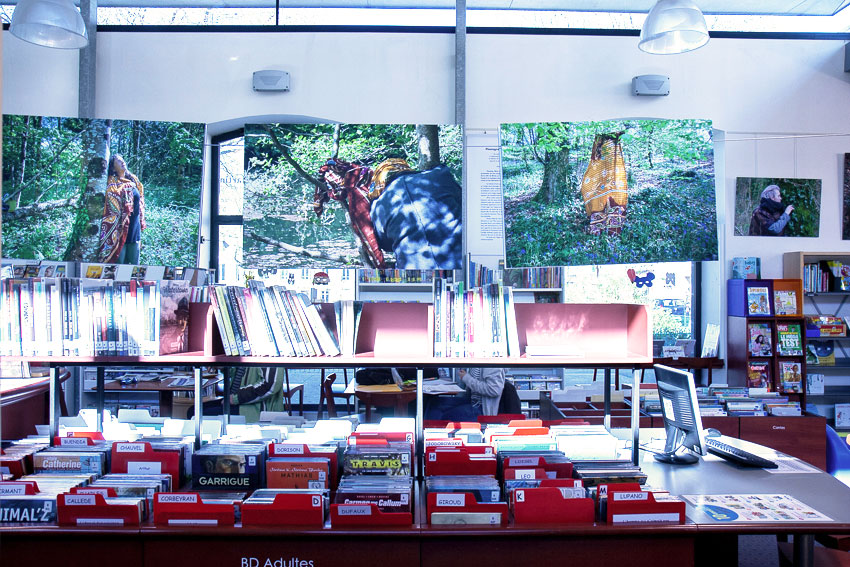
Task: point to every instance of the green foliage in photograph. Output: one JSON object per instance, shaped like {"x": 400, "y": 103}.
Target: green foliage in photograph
{"x": 281, "y": 173}
{"x": 54, "y": 183}
{"x": 671, "y": 211}
{"x": 803, "y": 194}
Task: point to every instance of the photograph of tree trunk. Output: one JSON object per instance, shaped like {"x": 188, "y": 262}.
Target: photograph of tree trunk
{"x": 766, "y": 206}
{"x": 609, "y": 192}
{"x": 353, "y": 195}
{"x": 91, "y": 190}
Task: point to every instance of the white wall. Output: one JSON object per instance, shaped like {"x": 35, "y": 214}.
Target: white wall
{"x": 750, "y": 89}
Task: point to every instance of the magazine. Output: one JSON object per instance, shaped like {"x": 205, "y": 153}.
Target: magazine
{"x": 757, "y": 302}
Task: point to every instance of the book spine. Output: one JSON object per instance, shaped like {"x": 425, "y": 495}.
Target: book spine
{"x": 278, "y": 313}
{"x": 254, "y": 324}
{"x": 236, "y": 318}
{"x": 300, "y": 322}
{"x": 218, "y": 320}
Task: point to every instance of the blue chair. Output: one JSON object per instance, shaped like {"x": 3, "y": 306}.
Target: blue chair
{"x": 837, "y": 456}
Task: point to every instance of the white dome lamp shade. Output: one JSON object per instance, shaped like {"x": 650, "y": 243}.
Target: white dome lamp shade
{"x": 673, "y": 26}
{"x": 51, "y": 23}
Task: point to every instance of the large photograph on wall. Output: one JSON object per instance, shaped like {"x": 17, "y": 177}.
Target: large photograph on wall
{"x": 353, "y": 195}
{"x": 91, "y": 190}
{"x": 608, "y": 192}
{"x": 769, "y": 206}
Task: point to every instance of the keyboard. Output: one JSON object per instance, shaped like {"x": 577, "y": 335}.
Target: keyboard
{"x": 736, "y": 455}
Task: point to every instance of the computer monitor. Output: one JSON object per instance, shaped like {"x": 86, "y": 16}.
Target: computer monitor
{"x": 682, "y": 422}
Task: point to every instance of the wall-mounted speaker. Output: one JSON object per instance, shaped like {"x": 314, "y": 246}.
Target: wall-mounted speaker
{"x": 271, "y": 80}
{"x": 651, "y": 85}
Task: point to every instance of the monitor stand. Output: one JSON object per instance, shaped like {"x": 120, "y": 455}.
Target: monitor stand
{"x": 678, "y": 458}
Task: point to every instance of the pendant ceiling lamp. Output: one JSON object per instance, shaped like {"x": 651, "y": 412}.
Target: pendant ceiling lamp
{"x": 673, "y": 26}
{"x": 51, "y": 23}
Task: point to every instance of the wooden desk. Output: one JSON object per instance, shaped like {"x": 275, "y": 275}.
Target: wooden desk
{"x": 165, "y": 388}
{"x": 384, "y": 395}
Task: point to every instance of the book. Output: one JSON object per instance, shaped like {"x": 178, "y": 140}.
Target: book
{"x": 174, "y": 317}
{"x": 746, "y": 268}
{"x": 825, "y": 326}
{"x": 759, "y": 339}
{"x": 842, "y": 415}
{"x": 792, "y": 380}
{"x": 815, "y": 383}
{"x": 789, "y": 339}
{"x": 757, "y": 301}
{"x": 711, "y": 340}
{"x": 820, "y": 352}
{"x": 758, "y": 375}
{"x": 785, "y": 302}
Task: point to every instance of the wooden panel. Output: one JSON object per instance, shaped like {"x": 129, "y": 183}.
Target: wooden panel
{"x": 728, "y": 426}
{"x": 646, "y": 550}
{"x": 803, "y": 437}
{"x": 276, "y": 549}
{"x": 80, "y": 548}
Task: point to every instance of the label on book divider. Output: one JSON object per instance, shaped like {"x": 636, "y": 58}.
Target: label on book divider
{"x": 102, "y": 491}
{"x": 74, "y": 441}
{"x": 622, "y": 496}
{"x": 283, "y": 449}
{"x": 177, "y": 498}
{"x": 79, "y": 499}
{"x": 192, "y": 522}
{"x": 451, "y": 500}
{"x": 100, "y": 521}
{"x": 644, "y": 518}
{"x": 524, "y": 474}
{"x": 349, "y": 510}
{"x": 129, "y": 447}
{"x": 524, "y": 462}
{"x": 13, "y": 489}
{"x": 316, "y": 501}
{"x": 144, "y": 468}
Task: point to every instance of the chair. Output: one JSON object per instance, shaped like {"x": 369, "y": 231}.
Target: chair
{"x": 328, "y": 394}
{"x": 337, "y": 390}
{"x": 288, "y": 391}
{"x": 510, "y": 403}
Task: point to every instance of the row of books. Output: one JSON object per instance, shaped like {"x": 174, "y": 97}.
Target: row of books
{"x": 273, "y": 321}
{"x": 826, "y": 276}
{"x": 52, "y": 269}
{"x": 84, "y": 317}
{"x": 477, "y": 322}
{"x": 368, "y": 275}
{"x": 531, "y": 278}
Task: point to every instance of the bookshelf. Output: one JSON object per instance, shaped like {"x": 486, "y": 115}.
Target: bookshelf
{"x": 828, "y": 352}
{"x": 765, "y": 336}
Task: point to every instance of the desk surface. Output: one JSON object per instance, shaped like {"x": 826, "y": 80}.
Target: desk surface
{"x": 713, "y": 475}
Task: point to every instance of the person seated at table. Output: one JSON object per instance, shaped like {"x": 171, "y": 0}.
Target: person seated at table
{"x": 483, "y": 391}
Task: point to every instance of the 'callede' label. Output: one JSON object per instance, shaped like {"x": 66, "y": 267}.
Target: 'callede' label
{"x": 80, "y": 500}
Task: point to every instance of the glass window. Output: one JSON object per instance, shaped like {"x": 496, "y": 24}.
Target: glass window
{"x": 666, "y": 288}
{"x": 231, "y": 170}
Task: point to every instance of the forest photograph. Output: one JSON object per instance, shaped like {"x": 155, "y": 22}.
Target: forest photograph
{"x": 56, "y": 173}
{"x": 353, "y": 195}
{"x": 608, "y": 192}
{"x": 767, "y": 206}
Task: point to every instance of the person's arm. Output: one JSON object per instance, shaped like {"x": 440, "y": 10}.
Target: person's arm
{"x": 259, "y": 390}
{"x": 489, "y": 382}
{"x": 779, "y": 225}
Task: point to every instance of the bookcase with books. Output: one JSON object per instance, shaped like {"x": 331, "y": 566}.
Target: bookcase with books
{"x": 766, "y": 343}
{"x": 826, "y": 288}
